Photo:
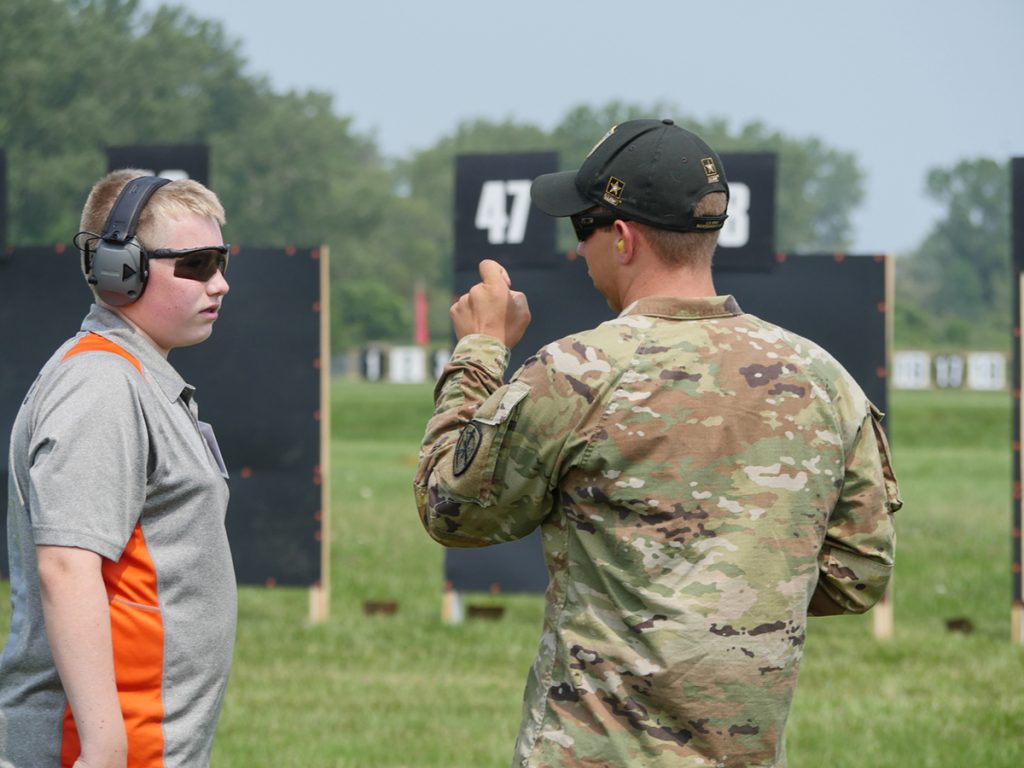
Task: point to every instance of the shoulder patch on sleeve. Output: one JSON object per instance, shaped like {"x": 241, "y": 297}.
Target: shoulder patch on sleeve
{"x": 466, "y": 448}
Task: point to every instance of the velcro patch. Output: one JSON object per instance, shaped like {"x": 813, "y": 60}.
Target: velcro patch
{"x": 514, "y": 394}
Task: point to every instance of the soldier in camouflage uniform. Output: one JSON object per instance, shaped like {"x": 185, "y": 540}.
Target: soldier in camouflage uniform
{"x": 703, "y": 480}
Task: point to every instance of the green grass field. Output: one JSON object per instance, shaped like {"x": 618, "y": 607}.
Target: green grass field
{"x": 406, "y": 691}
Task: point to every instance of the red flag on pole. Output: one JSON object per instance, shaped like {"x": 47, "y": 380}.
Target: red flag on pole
{"x": 421, "y": 334}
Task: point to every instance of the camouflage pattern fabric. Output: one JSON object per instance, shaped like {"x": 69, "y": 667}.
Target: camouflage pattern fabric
{"x": 698, "y": 475}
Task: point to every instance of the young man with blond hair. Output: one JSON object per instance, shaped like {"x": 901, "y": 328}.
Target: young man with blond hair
{"x": 122, "y": 584}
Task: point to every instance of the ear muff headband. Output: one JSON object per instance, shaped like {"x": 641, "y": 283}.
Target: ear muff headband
{"x": 118, "y": 266}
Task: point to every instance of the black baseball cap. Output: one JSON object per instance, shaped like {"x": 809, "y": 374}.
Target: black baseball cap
{"x": 652, "y": 171}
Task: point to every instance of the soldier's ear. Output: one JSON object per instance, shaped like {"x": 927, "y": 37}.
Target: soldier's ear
{"x": 626, "y": 243}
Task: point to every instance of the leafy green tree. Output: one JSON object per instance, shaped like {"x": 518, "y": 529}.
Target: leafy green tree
{"x": 368, "y": 310}
{"x": 160, "y": 78}
{"x": 289, "y": 170}
{"x": 294, "y": 174}
{"x": 960, "y": 275}
{"x": 818, "y": 187}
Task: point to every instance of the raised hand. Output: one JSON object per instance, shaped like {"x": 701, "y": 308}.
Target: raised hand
{"x": 491, "y": 307}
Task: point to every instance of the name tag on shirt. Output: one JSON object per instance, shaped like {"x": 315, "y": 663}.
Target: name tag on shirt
{"x": 206, "y": 430}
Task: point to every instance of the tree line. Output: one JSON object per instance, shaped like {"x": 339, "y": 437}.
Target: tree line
{"x": 291, "y": 170}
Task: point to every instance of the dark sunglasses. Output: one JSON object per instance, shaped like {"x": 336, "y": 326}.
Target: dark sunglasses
{"x": 195, "y": 263}
{"x": 586, "y": 224}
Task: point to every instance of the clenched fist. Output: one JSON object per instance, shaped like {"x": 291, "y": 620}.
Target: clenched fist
{"x": 491, "y": 307}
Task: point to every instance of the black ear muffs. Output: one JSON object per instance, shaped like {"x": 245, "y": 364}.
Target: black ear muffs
{"x": 117, "y": 266}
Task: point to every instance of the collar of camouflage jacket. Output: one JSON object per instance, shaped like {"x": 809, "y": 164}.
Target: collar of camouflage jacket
{"x": 684, "y": 308}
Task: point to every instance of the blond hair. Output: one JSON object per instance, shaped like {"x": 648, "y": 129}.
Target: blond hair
{"x": 687, "y": 249}
{"x": 171, "y": 201}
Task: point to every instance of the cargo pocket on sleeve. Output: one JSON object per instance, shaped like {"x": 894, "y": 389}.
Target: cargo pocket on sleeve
{"x": 477, "y": 451}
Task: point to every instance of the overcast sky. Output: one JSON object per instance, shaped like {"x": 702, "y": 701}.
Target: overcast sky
{"x": 906, "y": 85}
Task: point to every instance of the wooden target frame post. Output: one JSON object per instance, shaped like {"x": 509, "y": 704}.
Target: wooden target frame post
{"x": 1017, "y": 258}
{"x": 882, "y": 617}
{"x": 1017, "y": 545}
{"x": 320, "y": 592}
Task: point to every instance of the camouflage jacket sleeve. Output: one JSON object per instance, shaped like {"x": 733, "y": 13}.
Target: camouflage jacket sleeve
{"x": 490, "y": 458}
{"x": 856, "y": 560}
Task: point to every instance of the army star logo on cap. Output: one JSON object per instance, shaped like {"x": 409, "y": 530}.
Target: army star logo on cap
{"x": 466, "y": 448}
{"x": 613, "y": 192}
{"x": 710, "y": 170}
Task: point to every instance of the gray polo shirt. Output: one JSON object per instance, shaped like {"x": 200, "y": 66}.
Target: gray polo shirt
{"x": 108, "y": 454}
